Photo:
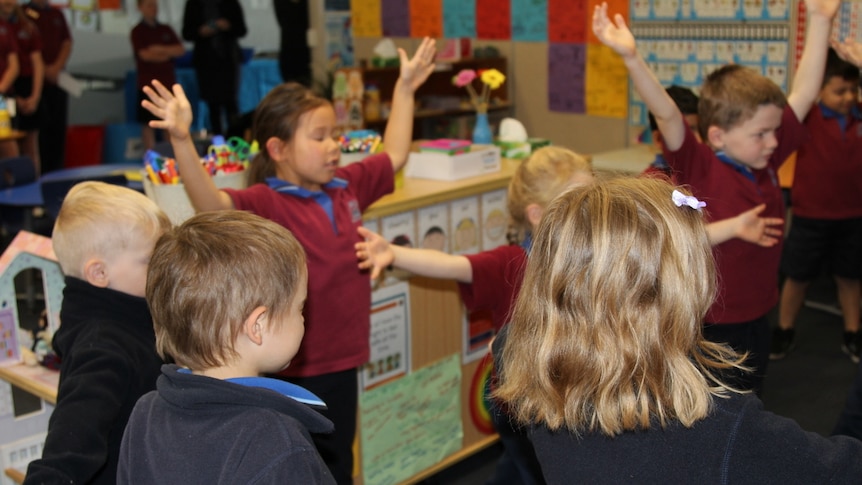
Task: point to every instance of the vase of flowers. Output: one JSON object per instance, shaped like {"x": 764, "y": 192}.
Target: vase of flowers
{"x": 490, "y": 79}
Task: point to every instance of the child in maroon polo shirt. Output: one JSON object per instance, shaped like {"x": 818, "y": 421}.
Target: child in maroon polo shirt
{"x": 748, "y": 129}
{"x": 155, "y": 45}
{"x": 827, "y": 212}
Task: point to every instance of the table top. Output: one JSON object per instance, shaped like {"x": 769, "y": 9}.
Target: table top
{"x": 631, "y": 160}
{"x": 30, "y": 195}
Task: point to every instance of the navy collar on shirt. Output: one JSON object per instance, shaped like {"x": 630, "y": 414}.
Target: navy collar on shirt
{"x": 743, "y": 169}
{"x": 527, "y": 243}
{"x": 284, "y": 388}
{"x": 286, "y": 187}
{"x": 829, "y": 113}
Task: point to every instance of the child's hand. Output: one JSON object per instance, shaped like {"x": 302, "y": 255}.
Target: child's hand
{"x": 374, "y": 252}
{"x": 758, "y": 230}
{"x": 173, "y": 108}
{"x": 826, "y": 8}
{"x": 849, "y": 50}
{"x": 618, "y": 37}
{"x": 415, "y": 71}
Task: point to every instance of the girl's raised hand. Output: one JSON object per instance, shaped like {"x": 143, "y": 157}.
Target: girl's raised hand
{"x": 616, "y": 34}
{"x": 173, "y": 109}
{"x": 415, "y": 71}
{"x": 373, "y": 252}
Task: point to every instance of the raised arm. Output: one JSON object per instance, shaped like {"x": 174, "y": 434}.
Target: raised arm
{"x": 399, "y": 129}
{"x": 850, "y": 51}
{"x": 748, "y": 226}
{"x": 809, "y": 72}
{"x": 376, "y": 253}
{"x": 175, "y": 115}
{"x": 618, "y": 37}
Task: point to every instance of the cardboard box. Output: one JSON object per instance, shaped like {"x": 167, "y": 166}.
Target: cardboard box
{"x": 480, "y": 160}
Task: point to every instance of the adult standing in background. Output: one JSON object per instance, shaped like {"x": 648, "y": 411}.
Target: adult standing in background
{"x": 54, "y": 104}
{"x": 294, "y": 56}
{"x": 215, "y": 26}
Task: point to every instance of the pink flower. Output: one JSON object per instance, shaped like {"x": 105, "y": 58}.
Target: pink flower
{"x": 464, "y": 78}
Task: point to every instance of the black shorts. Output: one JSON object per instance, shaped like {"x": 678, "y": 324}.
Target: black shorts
{"x": 811, "y": 242}
{"x": 143, "y": 114}
{"x": 31, "y": 121}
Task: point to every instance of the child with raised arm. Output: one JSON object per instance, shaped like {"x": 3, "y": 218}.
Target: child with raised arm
{"x": 296, "y": 182}
{"x": 748, "y": 129}
{"x": 606, "y": 364}
{"x": 103, "y": 237}
{"x": 226, "y": 289}
{"x": 827, "y": 212}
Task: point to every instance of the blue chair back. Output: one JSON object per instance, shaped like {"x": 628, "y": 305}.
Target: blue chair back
{"x": 54, "y": 191}
{"x": 15, "y": 171}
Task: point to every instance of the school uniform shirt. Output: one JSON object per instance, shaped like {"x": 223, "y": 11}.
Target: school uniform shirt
{"x": 197, "y": 429}
{"x": 828, "y": 180}
{"x": 738, "y": 442}
{"x": 107, "y": 350}
{"x": 748, "y": 286}
{"x": 338, "y": 309}
{"x": 145, "y": 35}
{"x": 29, "y": 40}
{"x": 497, "y": 277}
{"x": 8, "y": 45}
{"x": 52, "y": 27}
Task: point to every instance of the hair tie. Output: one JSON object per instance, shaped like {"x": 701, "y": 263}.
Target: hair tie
{"x": 681, "y": 199}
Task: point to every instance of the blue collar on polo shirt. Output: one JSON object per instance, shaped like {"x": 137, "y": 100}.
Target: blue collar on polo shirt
{"x": 284, "y": 388}
{"x": 322, "y": 198}
{"x": 743, "y": 169}
{"x": 297, "y": 393}
{"x": 829, "y": 113}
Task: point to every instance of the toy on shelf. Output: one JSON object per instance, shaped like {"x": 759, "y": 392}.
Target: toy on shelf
{"x": 223, "y": 157}
{"x": 446, "y": 145}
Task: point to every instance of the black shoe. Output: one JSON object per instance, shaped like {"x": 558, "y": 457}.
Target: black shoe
{"x": 782, "y": 343}
{"x": 852, "y": 345}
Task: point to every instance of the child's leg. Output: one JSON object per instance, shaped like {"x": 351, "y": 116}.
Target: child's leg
{"x": 792, "y": 297}
{"x": 848, "y": 298}
{"x": 148, "y": 137}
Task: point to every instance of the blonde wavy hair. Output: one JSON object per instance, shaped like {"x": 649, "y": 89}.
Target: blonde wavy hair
{"x": 606, "y": 332}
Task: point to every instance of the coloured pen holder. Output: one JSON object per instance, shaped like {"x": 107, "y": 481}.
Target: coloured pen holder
{"x": 173, "y": 199}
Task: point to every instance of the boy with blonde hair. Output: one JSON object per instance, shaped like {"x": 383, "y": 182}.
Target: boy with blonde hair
{"x": 748, "y": 129}
{"x": 226, "y": 289}
{"x": 103, "y": 237}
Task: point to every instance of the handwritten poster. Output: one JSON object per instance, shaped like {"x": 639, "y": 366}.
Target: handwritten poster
{"x": 459, "y": 18}
{"x": 366, "y": 18}
{"x": 390, "y": 335}
{"x": 607, "y": 83}
{"x": 566, "y": 64}
{"x": 493, "y": 19}
{"x": 411, "y": 423}
{"x": 568, "y": 21}
{"x": 530, "y": 20}
{"x": 396, "y": 18}
{"x": 426, "y": 18}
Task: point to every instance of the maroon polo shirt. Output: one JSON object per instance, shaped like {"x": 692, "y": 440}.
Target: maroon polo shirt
{"x": 29, "y": 41}
{"x": 52, "y": 28}
{"x": 145, "y": 35}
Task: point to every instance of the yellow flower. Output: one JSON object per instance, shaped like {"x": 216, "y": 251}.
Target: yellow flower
{"x": 493, "y": 78}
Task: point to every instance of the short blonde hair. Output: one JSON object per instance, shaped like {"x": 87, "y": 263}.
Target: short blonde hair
{"x": 99, "y": 220}
{"x": 606, "y": 332}
{"x": 209, "y": 274}
{"x": 732, "y": 94}
{"x": 543, "y": 175}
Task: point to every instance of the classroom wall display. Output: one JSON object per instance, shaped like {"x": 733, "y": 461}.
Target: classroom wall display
{"x": 495, "y": 219}
{"x": 434, "y": 227}
{"x": 390, "y": 336}
{"x": 846, "y": 24}
{"x": 710, "y": 9}
{"x": 465, "y": 226}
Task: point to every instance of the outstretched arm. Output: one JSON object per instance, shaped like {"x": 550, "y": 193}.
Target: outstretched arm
{"x": 850, "y": 51}
{"x": 618, "y": 37}
{"x": 748, "y": 226}
{"x": 376, "y": 253}
{"x": 175, "y": 113}
{"x": 399, "y": 129}
{"x": 809, "y": 72}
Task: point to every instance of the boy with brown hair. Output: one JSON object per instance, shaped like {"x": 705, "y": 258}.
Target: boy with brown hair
{"x": 103, "y": 237}
{"x": 226, "y": 290}
{"x": 748, "y": 129}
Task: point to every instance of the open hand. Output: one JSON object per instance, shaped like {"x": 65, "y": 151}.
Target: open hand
{"x": 415, "y": 71}
{"x": 849, "y": 50}
{"x": 373, "y": 252}
{"x": 763, "y": 231}
{"x": 616, "y": 34}
{"x": 172, "y": 107}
